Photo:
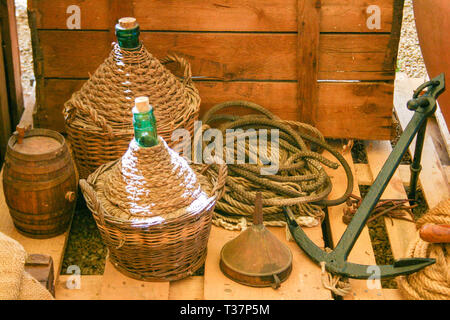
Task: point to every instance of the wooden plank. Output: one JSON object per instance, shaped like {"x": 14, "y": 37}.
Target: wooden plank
{"x": 362, "y": 252}
{"x": 89, "y": 288}
{"x": 392, "y": 294}
{"x": 54, "y": 93}
{"x": 53, "y": 247}
{"x": 363, "y": 175}
{"x": 303, "y": 283}
{"x": 405, "y": 174}
{"x": 394, "y": 40}
{"x": 116, "y": 286}
{"x": 5, "y": 121}
{"x": 354, "y": 57}
{"x": 10, "y": 46}
{"x": 208, "y": 15}
{"x": 355, "y": 110}
{"x": 447, "y": 172}
{"x": 366, "y": 104}
{"x": 273, "y": 56}
{"x": 41, "y": 268}
{"x": 400, "y": 232}
{"x": 443, "y": 128}
{"x": 439, "y": 143}
{"x": 308, "y": 20}
{"x": 225, "y": 57}
{"x": 433, "y": 180}
{"x": 187, "y": 289}
{"x": 116, "y": 10}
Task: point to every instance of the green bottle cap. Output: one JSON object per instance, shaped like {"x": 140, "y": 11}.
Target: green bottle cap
{"x": 127, "y": 33}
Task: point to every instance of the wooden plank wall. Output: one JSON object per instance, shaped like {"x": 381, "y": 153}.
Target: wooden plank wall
{"x": 249, "y": 49}
{"x": 11, "y": 59}
{"x": 5, "y": 123}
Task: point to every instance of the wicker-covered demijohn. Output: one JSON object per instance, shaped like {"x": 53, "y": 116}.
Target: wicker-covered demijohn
{"x": 154, "y": 211}
{"x": 98, "y": 116}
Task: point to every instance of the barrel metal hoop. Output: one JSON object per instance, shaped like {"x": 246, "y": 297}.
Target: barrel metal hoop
{"x": 38, "y": 185}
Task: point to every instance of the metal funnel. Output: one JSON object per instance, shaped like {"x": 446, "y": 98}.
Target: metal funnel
{"x": 256, "y": 257}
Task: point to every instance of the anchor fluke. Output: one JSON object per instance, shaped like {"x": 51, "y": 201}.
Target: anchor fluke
{"x": 336, "y": 263}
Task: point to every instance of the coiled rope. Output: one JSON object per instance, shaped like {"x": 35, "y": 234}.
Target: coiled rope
{"x": 301, "y": 182}
{"x": 433, "y": 282}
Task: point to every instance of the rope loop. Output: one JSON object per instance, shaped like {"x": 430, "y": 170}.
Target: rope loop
{"x": 184, "y": 65}
{"x": 433, "y": 282}
{"x": 334, "y": 283}
{"x": 283, "y": 167}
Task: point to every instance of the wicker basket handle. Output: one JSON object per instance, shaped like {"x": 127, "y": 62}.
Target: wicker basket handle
{"x": 75, "y": 105}
{"x": 219, "y": 188}
{"x": 91, "y": 198}
{"x": 88, "y": 191}
{"x": 183, "y": 64}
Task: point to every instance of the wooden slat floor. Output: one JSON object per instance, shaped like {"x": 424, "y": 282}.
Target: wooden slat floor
{"x": 305, "y": 280}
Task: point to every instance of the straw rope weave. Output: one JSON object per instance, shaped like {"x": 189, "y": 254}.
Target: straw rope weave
{"x": 99, "y": 119}
{"x": 151, "y": 182}
{"x": 300, "y": 182}
{"x": 433, "y": 282}
{"x": 166, "y": 238}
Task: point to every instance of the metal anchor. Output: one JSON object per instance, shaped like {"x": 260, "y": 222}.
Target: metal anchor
{"x": 336, "y": 261}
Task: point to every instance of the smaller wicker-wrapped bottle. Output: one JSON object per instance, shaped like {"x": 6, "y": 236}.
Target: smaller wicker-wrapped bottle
{"x": 98, "y": 116}
{"x": 153, "y": 210}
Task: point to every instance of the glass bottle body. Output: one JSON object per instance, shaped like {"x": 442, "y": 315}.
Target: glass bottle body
{"x": 145, "y": 132}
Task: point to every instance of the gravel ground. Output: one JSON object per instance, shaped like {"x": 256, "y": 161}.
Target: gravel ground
{"x": 410, "y": 58}
{"x": 85, "y": 248}
{"x": 26, "y": 53}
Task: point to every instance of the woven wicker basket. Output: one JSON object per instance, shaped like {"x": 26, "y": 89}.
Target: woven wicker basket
{"x": 98, "y": 117}
{"x": 164, "y": 248}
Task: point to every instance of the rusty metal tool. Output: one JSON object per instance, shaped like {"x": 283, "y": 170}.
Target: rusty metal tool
{"x": 336, "y": 261}
{"x": 392, "y": 208}
{"x": 256, "y": 257}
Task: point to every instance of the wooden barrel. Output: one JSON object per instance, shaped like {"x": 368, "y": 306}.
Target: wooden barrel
{"x": 40, "y": 183}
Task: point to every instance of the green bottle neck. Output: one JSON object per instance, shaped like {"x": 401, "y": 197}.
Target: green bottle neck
{"x": 145, "y": 131}
{"x": 128, "y": 39}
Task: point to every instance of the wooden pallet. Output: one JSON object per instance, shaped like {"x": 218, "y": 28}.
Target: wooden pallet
{"x": 269, "y": 52}
{"x": 305, "y": 281}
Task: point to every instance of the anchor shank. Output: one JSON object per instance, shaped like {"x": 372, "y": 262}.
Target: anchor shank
{"x": 415, "y": 165}
{"x": 361, "y": 216}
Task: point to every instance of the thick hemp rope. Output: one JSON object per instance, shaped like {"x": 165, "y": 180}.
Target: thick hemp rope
{"x": 433, "y": 282}
{"x": 300, "y": 182}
